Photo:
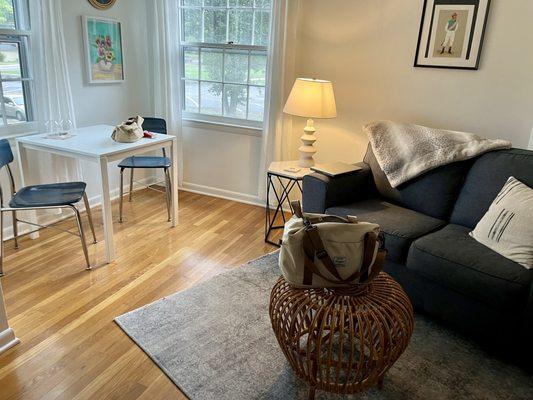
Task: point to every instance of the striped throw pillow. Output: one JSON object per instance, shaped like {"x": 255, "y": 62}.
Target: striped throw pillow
{"x": 507, "y": 227}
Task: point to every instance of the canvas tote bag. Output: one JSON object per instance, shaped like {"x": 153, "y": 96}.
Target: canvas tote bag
{"x": 129, "y": 131}
{"x": 320, "y": 250}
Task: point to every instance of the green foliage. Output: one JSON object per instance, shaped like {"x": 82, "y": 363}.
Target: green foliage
{"x": 222, "y": 26}
{"x": 7, "y": 17}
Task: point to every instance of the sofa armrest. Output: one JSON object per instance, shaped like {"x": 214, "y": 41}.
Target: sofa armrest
{"x": 321, "y": 192}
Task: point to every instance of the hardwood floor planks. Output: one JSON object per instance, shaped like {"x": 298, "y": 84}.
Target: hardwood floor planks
{"x": 71, "y": 348}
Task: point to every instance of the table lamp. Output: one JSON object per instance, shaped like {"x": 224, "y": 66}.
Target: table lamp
{"x": 310, "y": 98}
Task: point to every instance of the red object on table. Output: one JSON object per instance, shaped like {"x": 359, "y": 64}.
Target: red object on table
{"x": 149, "y": 135}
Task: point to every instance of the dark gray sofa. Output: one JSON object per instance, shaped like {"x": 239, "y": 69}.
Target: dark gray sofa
{"x": 426, "y": 222}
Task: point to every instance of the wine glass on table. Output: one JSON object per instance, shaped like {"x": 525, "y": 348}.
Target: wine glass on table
{"x": 66, "y": 127}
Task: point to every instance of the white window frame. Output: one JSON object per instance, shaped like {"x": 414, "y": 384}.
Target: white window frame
{"x": 224, "y": 47}
{"x": 23, "y": 38}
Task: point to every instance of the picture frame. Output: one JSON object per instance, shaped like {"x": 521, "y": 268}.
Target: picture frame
{"x": 451, "y": 34}
{"x": 104, "y": 51}
{"x": 102, "y": 4}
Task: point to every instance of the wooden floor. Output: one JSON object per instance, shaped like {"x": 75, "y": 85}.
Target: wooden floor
{"x": 71, "y": 348}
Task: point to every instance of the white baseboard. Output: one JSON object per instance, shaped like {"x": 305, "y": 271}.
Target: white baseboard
{"x": 222, "y": 193}
{"x": 94, "y": 201}
{"x": 7, "y": 340}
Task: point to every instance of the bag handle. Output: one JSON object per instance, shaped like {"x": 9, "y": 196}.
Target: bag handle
{"x": 297, "y": 210}
{"x": 314, "y": 247}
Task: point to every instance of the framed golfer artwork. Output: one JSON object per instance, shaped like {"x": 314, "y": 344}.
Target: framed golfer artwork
{"x": 451, "y": 33}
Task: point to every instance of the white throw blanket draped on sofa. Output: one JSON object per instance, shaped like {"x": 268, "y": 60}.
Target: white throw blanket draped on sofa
{"x": 405, "y": 151}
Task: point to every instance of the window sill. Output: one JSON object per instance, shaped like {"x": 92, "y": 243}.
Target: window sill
{"x": 222, "y": 126}
{"x": 18, "y": 131}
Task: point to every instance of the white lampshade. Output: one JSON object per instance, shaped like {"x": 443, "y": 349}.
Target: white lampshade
{"x": 311, "y": 98}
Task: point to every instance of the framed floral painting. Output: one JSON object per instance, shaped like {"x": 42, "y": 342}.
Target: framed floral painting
{"x": 103, "y": 46}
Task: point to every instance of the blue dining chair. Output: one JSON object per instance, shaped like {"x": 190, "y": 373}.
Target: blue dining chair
{"x": 156, "y": 125}
{"x": 40, "y": 197}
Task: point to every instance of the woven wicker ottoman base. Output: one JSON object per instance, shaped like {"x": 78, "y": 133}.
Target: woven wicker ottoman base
{"x": 342, "y": 340}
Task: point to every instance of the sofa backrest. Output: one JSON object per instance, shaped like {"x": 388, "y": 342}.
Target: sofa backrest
{"x": 433, "y": 193}
{"x": 485, "y": 180}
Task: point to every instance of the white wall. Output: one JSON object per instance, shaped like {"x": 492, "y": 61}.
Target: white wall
{"x": 367, "y": 49}
{"x": 98, "y": 104}
{"x": 223, "y": 161}
{"x": 108, "y": 103}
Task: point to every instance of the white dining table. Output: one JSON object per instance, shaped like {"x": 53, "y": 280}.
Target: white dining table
{"x": 94, "y": 144}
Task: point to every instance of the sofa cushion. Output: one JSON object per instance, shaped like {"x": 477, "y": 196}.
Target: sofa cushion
{"x": 433, "y": 193}
{"x": 401, "y": 226}
{"x": 486, "y": 178}
{"x": 453, "y": 259}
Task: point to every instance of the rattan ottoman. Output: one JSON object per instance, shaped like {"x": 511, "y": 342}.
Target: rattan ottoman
{"x": 342, "y": 340}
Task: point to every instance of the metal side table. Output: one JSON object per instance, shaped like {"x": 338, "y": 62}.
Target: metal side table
{"x": 287, "y": 180}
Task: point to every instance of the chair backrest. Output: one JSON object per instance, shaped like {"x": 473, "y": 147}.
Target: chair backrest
{"x": 6, "y": 155}
{"x": 157, "y": 125}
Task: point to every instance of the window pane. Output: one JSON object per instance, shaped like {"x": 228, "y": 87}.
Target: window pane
{"x": 192, "y": 25}
{"x": 261, "y": 28}
{"x": 256, "y": 103}
{"x": 211, "y": 102}
{"x": 14, "y": 101}
{"x": 7, "y": 15}
{"x": 191, "y": 57}
{"x": 191, "y": 96}
{"x": 215, "y": 26}
{"x": 241, "y": 3}
{"x": 215, "y": 3}
{"x": 263, "y": 3}
{"x": 9, "y": 60}
{"x": 194, "y": 3}
{"x": 258, "y": 62}
{"x": 211, "y": 65}
{"x": 235, "y": 101}
{"x": 240, "y": 26}
{"x": 236, "y": 67}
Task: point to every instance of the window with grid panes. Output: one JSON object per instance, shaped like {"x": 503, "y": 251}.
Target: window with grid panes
{"x": 16, "y": 83}
{"x": 224, "y": 54}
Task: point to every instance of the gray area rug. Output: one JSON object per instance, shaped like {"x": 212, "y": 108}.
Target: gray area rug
{"x": 215, "y": 342}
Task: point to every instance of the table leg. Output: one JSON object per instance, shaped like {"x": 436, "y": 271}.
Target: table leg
{"x": 106, "y": 212}
{"x": 24, "y": 169}
{"x": 174, "y": 185}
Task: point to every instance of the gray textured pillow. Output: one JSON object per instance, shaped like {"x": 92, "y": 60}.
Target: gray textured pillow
{"x": 507, "y": 227}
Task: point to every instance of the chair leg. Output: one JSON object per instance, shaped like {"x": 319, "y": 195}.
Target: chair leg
{"x": 89, "y": 216}
{"x": 82, "y": 237}
{"x": 131, "y": 183}
{"x": 121, "y": 193}
{"x": 1, "y": 243}
{"x": 15, "y": 229}
{"x": 168, "y": 192}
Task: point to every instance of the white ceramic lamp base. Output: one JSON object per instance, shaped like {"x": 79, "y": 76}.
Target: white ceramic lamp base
{"x": 307, "y": 149}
